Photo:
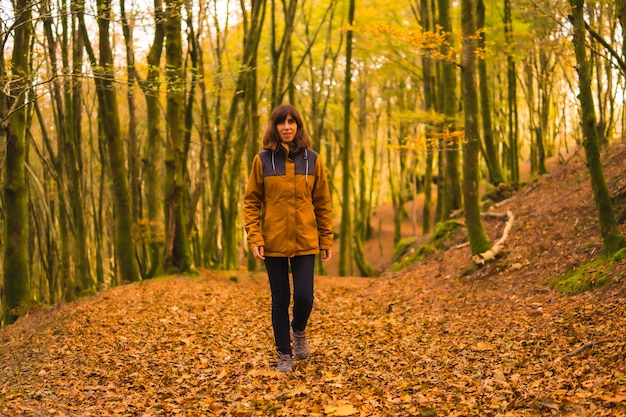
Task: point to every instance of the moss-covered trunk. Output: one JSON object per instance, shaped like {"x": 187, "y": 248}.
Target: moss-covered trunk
{"x": 451, "y": 198}
{"x": 108, "y": 113}
{"x": 16, "y": 286}
{"x": 346, "y": 212}
{"x": 177, "y": 249}
{"x": 476, "y": 233}
{"x": 612, "y": 238}
{"x": 496, "y": 175}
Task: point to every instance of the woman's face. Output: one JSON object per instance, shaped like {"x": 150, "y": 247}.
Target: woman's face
{"x": 287, "y": 129}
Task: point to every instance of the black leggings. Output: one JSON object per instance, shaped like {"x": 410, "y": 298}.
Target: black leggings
{"x": 302, "y": 268}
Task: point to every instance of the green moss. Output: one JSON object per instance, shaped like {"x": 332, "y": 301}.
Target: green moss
{"x": 402, "y": 248}
{"x": 620, "y": 255}
{"x": 587, "y": 277}
{"x": 405, "y": 253}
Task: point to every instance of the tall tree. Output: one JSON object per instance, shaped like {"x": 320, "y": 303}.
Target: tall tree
{"x": 177, "y": 251}
{"x": 153, "y": 152}
{"x": 109, "y": 122}
{"x": 476, "y": 233}
{"x": 346, "y": 156}
{"x": 451, "y": 198}
{"x": 496, "y": 176}
{"x": 281, "y": 48}
{"x": 612, "y": 238}
{"x": 512, "y": 116}
{"x": 16, "y": 286}
{"x": 430, "y": 100}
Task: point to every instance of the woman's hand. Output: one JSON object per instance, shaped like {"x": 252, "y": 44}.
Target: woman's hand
{"x": 259, "y": 252}
{"x": 326, "y": 255}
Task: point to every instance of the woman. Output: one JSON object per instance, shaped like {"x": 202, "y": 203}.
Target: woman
{"x": 288, "y": 220}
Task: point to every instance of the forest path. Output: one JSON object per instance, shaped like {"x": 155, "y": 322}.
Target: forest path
{"x": 409, "y": 345}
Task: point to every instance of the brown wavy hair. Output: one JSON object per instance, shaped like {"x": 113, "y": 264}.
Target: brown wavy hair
{"x": 271, "y": 138}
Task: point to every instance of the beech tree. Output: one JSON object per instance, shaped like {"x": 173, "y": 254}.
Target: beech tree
{"x": 450, "y": 184}
{"x": 16, "y": 290}
{"x": 475, "y": 231}
{"x": 612, "y": 238}
{"x": 108, "y": 118}
{"x": 346, "y": 155}
{"x": 177, "y": 253}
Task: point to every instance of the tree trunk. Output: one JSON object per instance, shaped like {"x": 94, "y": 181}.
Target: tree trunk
{"x": 512, "y": 96}
{"x": 70, "y": 288}
{"x": 16, "y": 291}
{"x": 110, "y": 124}
{"x": 281, "y": 48}
{"x": 346, "y": 156}
{"x": 177, "y": 250}
{"x": 476, "y": 233}
{"x": 496, "y": 176}
{"x": 612, "y": 238}
{"x": 153, "y": 152}
{"x": 429, "y": 105}
{"x": 452, "y": 199}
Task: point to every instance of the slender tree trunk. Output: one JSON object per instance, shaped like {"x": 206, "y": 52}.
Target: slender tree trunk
{"x": 16, "y": 291}
{"x": 429, "y": 105}
{"x": 110, "y": 124}
{"x": 153, "y": 152}
{"x": 134, "y": 158}
{"x": 346, "y": 215}
{"x": 70, "y": 286}
{"x": 512, "y": 96}
{"x": 612, "y": 238}
{"x": 496, "y": 176}
{"x": 362, "y": 203}
{"x": 177, "y": 251}
{"x": 452, "y": 197}
{"x": 476, "y": 233}
{"x": 281, "y": 48}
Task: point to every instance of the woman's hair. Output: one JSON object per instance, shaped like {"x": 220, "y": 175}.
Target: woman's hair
{"x": 271, "y": 138}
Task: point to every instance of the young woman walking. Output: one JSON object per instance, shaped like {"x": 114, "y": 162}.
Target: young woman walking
{"x": 288, "y": 220}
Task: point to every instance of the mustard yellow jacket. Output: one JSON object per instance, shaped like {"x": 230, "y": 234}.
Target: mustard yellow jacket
{"x": 287, "y": 207}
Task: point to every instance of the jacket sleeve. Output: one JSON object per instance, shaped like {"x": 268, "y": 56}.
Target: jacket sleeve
{"x": 252, "y": 204}
{"x": 322, "y": 206}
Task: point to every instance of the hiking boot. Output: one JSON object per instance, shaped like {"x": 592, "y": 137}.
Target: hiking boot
{"x": 285, "y": 363}
{"x": 300, "y": 344}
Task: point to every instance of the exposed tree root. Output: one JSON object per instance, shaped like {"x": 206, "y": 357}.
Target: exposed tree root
{"x": 489, "y": 255}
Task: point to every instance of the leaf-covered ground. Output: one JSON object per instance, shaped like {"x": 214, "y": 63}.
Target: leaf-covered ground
{"x": 434, "y": 339}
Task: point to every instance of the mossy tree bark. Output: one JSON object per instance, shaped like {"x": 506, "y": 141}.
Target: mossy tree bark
{"x": 513, "y": 157}
{"x": 476, "y": 233}
{"x": 430, "y": 102}
{"x": 153, "y": 151}
{"x": 496, "y": 175}
{"x": 177, "y": 255}
{"x": 452, "y": 195}
{"x": 16, "y": 286}
{"x": 109, "y": 123}
{"x": 612, "y": 238}
{"x": 346, "y": 156}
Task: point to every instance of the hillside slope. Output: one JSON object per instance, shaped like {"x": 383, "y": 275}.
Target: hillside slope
{"x": 434, "y": 339}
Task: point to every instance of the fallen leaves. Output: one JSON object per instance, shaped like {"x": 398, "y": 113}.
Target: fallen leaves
{"x": 205, "y": 347}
